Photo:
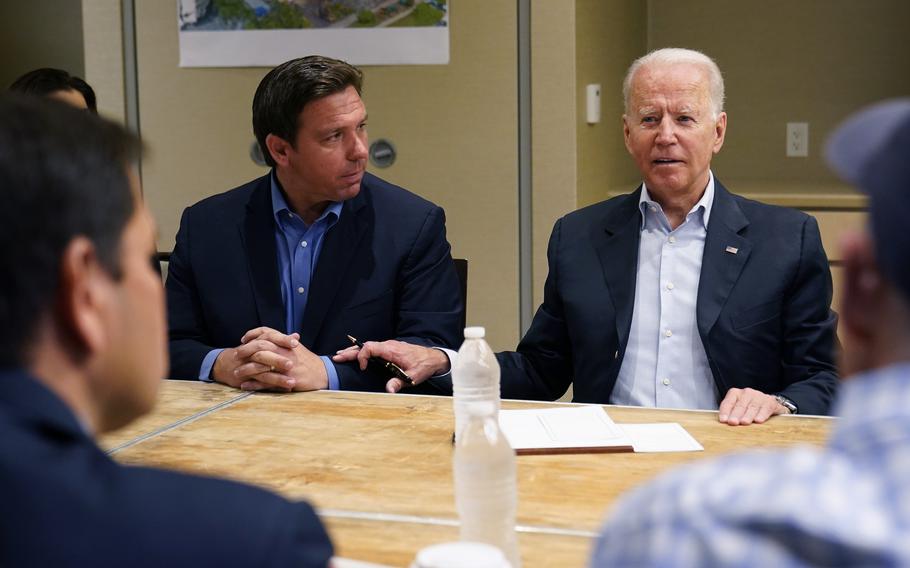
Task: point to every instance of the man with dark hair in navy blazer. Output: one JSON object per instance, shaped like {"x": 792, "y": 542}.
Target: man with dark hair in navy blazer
{"x": 268, "y": 280}
{"x": 681, "y": 294}
{"x": 82, "y": 351}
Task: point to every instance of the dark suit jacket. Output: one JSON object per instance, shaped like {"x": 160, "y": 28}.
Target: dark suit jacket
{"x": 384, "y": 272}
{"x": 65, "y": 503}
{"x": 763, "y": 313}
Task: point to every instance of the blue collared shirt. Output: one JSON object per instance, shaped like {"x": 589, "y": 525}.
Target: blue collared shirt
{"x": 665, "y": 364}
{"x": 298, "y": 246}
{"x": 846, "y": 504}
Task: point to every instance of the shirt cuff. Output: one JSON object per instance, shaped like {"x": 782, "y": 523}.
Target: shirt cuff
{"x": 205, "y": 371}
{"x": 331, "y": 372}
{"x": 452, "y": 355}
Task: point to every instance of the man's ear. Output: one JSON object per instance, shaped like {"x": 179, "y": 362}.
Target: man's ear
{"x": 863, "y": 292}
{"x": 720, "y": 131}
{"x": 278, "y": 147}
{"x": 82, "y": 296}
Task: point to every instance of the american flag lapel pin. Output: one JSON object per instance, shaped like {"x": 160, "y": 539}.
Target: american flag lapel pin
{"x": 732, "y": 250}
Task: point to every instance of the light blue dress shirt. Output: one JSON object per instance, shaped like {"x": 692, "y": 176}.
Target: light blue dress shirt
{"x": 665, "y": 364}
{"x": 298, "y": 247}
{"x": 846, "y": 504}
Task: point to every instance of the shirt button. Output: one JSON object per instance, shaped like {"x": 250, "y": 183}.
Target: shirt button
{"x": 668, "y": 333}
{"x": 290, "y": 215}
{"x": 300, "y": 290}
{"x": 652, "y": 208}
{"x": 303, "y": 244}
{"x": 670, "y": 286}
{"x": 672, "y": 239}
{"x": 666, "y": 382}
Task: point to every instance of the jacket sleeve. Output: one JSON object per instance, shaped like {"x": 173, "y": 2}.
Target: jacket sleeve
{"x": 809, "y": 329}
{"x": 186, "y": 327}
{"x": 542, "y": 367}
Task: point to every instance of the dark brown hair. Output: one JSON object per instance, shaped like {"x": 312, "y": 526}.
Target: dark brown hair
{"x": 286, "y": 89}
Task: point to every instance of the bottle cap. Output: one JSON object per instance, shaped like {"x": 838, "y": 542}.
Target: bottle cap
{"x": 476, "y": 332}
{"x": 460, "y": 555}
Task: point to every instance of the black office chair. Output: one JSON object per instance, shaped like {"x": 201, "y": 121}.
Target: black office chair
{"x": 461, "y": 268}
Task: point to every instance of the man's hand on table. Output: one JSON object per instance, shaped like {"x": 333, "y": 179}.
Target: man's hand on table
{"x": 745, "y": 406}
{"x": 420, "y": 363}
{"x": 270, "y": 360}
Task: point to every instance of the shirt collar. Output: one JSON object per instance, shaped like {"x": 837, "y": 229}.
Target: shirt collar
{"x": 705, "y": 203}
{"x": 280, "y": 208}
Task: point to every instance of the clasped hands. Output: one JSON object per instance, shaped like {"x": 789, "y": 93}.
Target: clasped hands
{"x": 267, "y": 359}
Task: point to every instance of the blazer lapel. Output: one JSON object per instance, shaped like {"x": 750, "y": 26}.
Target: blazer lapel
{"x": 618, "y": 253}
{"x": 725, "y": 255}
{"x": 338, "y": 250}
{"x": 258, "y": 237}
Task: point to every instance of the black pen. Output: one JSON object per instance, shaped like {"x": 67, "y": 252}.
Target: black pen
{"x": 391, "y": 368}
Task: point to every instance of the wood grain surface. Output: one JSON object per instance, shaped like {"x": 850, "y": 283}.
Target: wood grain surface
{"x": 396, "y": 544}
{"x": 177, "y": 400}
{"x": 382, "y": 454}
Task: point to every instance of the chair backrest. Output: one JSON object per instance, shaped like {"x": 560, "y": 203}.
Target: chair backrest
{"x": 461, "y": 268}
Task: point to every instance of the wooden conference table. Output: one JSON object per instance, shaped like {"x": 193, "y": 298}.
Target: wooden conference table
{"x": 379, "y": 467}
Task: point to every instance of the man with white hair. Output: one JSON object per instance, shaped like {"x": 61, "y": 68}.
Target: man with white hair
{"x": 847, "y": 504}
{"x": 680, "y": 294}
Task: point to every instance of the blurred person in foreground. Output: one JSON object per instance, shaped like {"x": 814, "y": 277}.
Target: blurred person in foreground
{"x": 57, "y": 84}
{"x": 845, "y": 504}
{"x": 82, "y": 352}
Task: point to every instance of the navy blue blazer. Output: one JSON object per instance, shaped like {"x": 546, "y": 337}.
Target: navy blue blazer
{"x": 65, "y": 503}
{"x": 763, "y": 313}
{"x": 385, "y": 271}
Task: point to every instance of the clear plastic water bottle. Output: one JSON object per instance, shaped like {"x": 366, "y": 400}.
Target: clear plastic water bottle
{"x": 485, "y": 489}
{"x": 460, "y": 555}
{"x": 475, "y": 377}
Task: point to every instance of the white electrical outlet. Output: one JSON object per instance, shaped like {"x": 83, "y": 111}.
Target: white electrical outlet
{"x": 797, "y": 139}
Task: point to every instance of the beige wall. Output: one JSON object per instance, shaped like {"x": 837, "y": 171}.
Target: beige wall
{"x": 103, "y": 40}
{"x": 40, "y": 33}
{"x": 809, "y": 61}
{"x": 833, "y": 226}
{"x": 574, "y": 163}
{"x": 454, "y": 126}
{"x": 610, "y": 34}
{"x": 553, "y": 141}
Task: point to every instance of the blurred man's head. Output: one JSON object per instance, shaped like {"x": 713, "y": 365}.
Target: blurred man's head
{"x": 871, "y": 150}
{"x": 57, "y": 84}
{"x": 81, "y": 306}
{"x": 674, "y": 121}
{"x": 310, "y": 123}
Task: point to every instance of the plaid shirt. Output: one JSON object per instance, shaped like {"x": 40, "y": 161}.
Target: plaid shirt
{"x": 847, "y": 504}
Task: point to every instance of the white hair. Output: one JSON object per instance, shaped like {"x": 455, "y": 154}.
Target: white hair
{"x": 673, "y": 56}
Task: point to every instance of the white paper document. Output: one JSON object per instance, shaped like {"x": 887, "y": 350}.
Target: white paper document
{"x": 555, "y": 429}
{"x": 667, "y": 437}
{"x": 583, "y": 429}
